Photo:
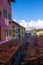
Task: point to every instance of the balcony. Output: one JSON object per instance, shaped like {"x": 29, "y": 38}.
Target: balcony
{"x": 7, "y": 22}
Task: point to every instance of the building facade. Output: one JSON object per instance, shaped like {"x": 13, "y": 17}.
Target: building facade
{"x": 22, "y": 31}
{"x": 40, "y": 32}
{"x": 18, "y": 32}
{"x": 5, "y": 20}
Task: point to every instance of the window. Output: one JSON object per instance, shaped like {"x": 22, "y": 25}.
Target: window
{"x": 5, "y": 13}
{"x": 14, "y": 37}
{"x": 9, "y": 32}
{"x": 6, "y": 32}
{"x": 9, "y": 2}
{"x": 13, "y": 28}
{"x": 9, "y": 16}
{"x": 0, "y": 14}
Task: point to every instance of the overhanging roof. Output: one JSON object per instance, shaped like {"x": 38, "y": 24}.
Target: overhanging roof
{"x": 12, "y": 0}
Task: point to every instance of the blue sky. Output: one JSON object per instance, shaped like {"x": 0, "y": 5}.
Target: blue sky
{"x": 27, "y": 11}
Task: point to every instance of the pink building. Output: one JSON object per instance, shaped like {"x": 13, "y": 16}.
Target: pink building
{"x": 5, "y": 20}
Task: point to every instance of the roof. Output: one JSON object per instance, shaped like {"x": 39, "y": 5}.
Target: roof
{"x": 18, "y": 24}
{"x": 8, "y": 49}
{"x": 12, "y": 0}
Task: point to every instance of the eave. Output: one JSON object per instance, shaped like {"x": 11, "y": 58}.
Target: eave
{"x": 13, "y": 0}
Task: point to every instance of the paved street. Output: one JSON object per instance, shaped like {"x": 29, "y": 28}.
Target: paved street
{"x": 28, "y": 51}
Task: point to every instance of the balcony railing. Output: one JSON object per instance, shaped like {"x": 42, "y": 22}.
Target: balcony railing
{"x": 7, "y": 22}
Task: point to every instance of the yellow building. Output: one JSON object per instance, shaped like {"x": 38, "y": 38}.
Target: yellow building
{"x": 22, "y": 31}
{"x": 14, "y": 30}
{"x": 18, "y": 31}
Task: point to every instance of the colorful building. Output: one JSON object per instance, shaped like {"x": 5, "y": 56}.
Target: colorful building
{"x": 38, "y": 32}
{"x": 22, "y": 31}
{"x": 5, "y": 20}
{"x": 18, "y": 31}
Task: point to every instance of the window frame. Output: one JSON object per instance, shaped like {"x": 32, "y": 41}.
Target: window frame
{"x": 9, "y": 16}
{"x": 9, "y": 2}
{"x": 0, "y": 14}
{"x": 13, "y": 29}
{"x": 5, "y": 13}
{"x": 9, "y": 32}
{"x": 6, "y": 32}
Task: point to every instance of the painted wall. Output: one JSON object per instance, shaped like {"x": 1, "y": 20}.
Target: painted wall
{"x": 19, "y": 30}
{"x": 4, "y": 22}
{"x": 16, "y": 32}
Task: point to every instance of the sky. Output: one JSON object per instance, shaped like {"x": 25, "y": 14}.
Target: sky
{"x": 28, "y": 13}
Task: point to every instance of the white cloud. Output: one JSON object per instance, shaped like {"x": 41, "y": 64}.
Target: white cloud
{"x": 23, "y": 23}
{"x": 32, "y": 24}
{"x": 14, "y": 20}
